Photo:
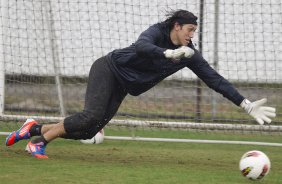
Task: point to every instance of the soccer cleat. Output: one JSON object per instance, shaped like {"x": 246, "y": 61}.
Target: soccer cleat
{"x": 37, "y": 150}
{"x": 22, "y": 133}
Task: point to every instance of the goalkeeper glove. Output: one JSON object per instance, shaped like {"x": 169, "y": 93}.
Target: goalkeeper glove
{"x": 259, "y": 112}
{"x": 179, "y": 53}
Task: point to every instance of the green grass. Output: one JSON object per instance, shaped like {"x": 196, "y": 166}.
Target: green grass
{"x": 133, "y": 162}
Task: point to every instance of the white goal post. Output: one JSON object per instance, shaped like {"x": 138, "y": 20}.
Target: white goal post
{"x": 170, "y": 125}
{"x": 161, "y": 124}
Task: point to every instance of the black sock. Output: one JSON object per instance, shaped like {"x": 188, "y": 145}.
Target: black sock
{"x": 35, "y": 130}
{"x": 39, "y": 139}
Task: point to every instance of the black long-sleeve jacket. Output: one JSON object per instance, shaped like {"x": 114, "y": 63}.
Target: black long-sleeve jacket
{"x": 142, "y": 65}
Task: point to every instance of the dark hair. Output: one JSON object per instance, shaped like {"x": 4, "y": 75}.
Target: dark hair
{"x": 181, "y": 17}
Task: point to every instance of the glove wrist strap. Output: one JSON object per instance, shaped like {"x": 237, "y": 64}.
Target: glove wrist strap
{"x": 245, "y": 104}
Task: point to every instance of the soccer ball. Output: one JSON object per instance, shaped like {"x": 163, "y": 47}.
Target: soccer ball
{"x": 254, "y": 165}
{"x": 97, "y": 139}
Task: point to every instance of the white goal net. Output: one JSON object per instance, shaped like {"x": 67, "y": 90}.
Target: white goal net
{"x": 47, "y": 48}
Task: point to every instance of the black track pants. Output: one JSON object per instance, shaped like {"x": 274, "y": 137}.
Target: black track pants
{"x": 103, "y": 97}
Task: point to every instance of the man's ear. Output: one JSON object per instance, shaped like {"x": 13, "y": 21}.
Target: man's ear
{"x": 177, "y": 26}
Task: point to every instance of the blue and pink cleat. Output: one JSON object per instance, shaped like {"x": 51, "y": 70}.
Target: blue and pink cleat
{"x": 36, "y": 149}
{"x": 22, "y": 133}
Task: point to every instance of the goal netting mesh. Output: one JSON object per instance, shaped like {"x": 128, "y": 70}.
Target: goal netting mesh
{"x": 47, "y": 48}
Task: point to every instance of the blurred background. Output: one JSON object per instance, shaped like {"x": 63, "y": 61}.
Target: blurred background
{"x": 47, "y": 48}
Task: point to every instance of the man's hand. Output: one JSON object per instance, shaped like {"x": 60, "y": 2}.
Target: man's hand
{"x": 179, "y": 53}
{"x": 258, "y": 111}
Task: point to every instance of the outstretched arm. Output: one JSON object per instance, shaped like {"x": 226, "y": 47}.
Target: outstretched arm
{"x": 215, "y": 81}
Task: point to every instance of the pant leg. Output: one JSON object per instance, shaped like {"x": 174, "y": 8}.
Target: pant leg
{"x": 102, "y": 90}
{"x": 113, "y": 106}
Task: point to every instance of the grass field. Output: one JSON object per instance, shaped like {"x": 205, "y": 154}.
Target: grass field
{"x": 132, "y": 162}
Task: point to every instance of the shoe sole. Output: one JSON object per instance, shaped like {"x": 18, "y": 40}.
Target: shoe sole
{"x": 27, "y": 149}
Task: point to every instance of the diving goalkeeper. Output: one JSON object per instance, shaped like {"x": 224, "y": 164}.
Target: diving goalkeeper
{"x": 161, "y": 50}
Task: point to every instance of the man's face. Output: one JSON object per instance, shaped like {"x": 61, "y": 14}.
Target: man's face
{"x": 185, "y": 33}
